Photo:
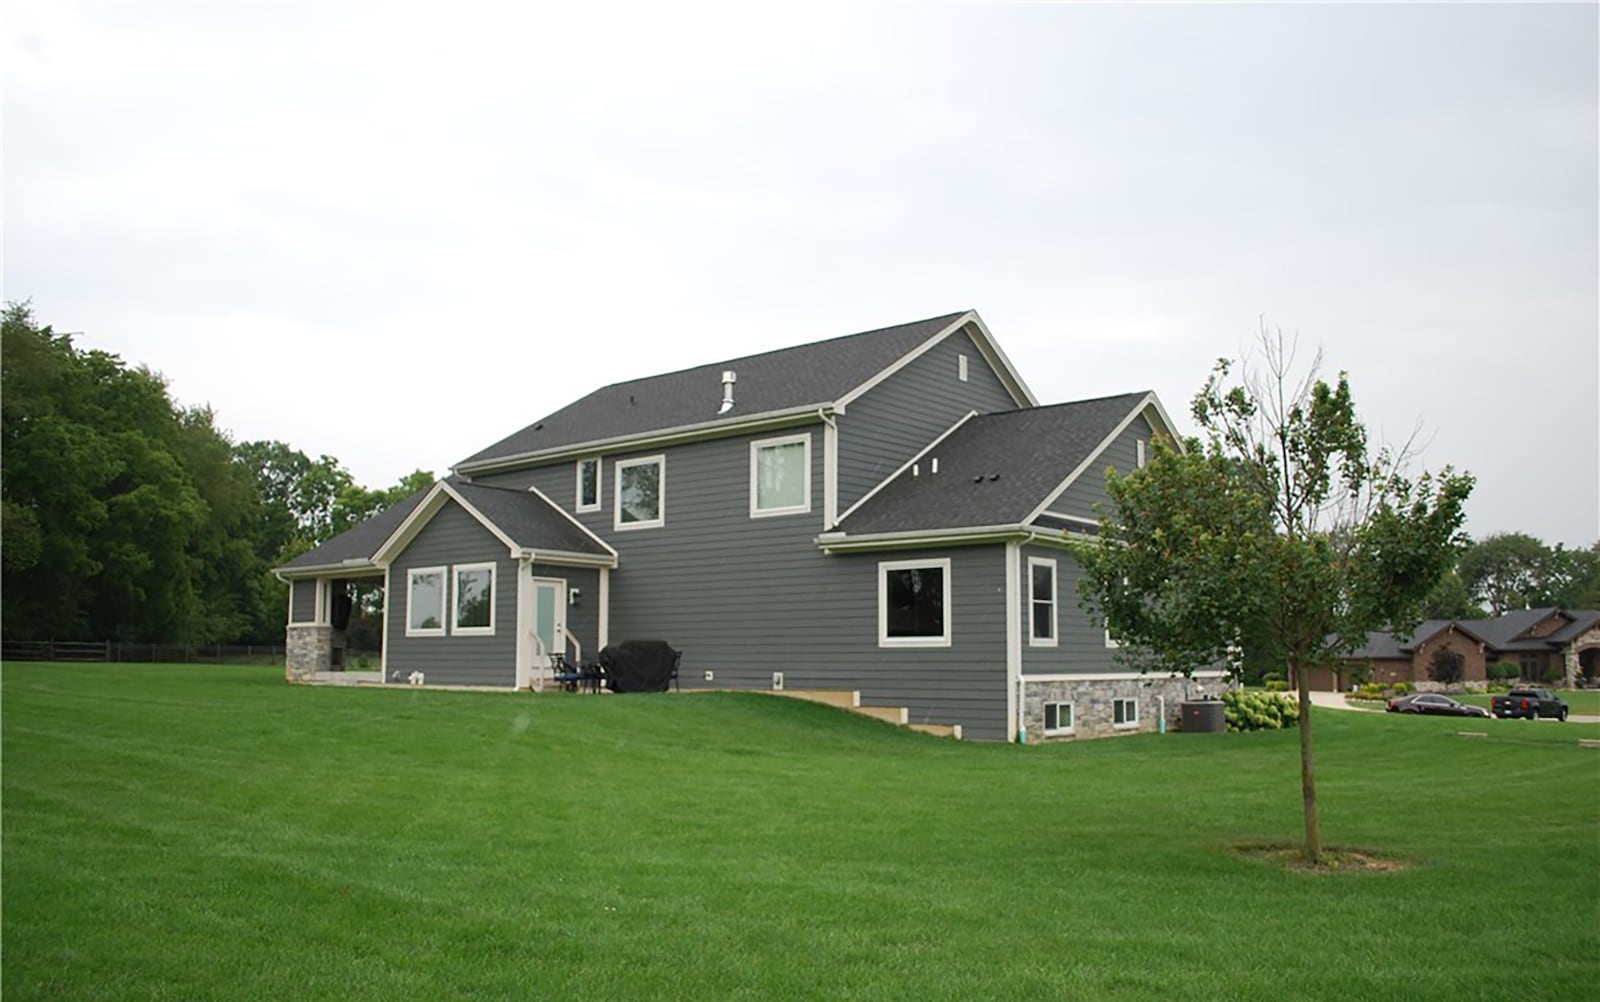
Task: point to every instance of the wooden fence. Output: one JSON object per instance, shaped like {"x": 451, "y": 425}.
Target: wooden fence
{"x": 112, "y": 651}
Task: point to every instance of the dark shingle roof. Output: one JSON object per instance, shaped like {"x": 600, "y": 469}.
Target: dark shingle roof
{"x": 1380, "y": 645}
{"x": 1582, "y": 621}
{"x": 790, "y": 378}
{"x": 1499, "y": 633}
{"x": 525, "y": 517}
{"x": 1502, "y": 630}
{"x": 358, "y": 543}
{"x": 530, "y": 520}
{"x": 993, "y": 470}
{"x": 1386, "y": 645}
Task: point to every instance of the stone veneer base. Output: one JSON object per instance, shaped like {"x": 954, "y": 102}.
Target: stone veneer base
{"x": 1091, "y": 699}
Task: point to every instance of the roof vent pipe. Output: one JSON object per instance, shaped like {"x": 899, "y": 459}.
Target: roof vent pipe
{"x": 729, "y": 377}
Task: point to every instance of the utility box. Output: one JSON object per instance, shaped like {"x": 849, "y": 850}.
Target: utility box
{"x": 1204, "y": 716}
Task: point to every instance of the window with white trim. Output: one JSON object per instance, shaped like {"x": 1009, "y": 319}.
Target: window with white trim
{"x": 641, "y": 486}
{"x": 780, "y": 476}
{"x": 1139, "y": 452}
{"x": 961, "y": 368}
{"x": 1125, "y": 712}
{"x": 425, "y": 594}
{"x": 472, "y": 598}
{"x": 1058, "y": 718}
{"x": 588, "y": 487}
{"x": 914, "y": 603}
{"x": 1041, "y": 602}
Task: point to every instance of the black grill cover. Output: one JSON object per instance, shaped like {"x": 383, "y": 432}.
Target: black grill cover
{"x": 639, "y": 665}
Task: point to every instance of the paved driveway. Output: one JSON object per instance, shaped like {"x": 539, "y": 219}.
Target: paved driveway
{"x": 1336, "y": 701}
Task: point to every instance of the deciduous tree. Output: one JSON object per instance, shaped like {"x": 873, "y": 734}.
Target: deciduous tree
{"x": 1278, "y": 530}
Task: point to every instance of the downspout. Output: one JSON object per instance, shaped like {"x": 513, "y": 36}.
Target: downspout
{"x": 830, "y": 469}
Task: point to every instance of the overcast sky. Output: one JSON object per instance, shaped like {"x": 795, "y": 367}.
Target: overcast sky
{"x": 396, "y": 233}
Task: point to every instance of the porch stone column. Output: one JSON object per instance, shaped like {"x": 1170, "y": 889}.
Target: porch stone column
{"x": 1589, "y": 638}
{"x": 308, "y": 649}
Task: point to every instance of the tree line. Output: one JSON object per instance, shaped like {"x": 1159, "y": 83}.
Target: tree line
{"x": 126, "y": 516}
{"x": 1513, "y": 570}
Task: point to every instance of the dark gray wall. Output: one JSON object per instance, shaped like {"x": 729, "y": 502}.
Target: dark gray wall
{"x": 1080, "y": 644}
{"x": 1090, "y": 488}
{"x": 899, "y": 418}
{"x": 744, "y": 597}
{"x": 454, "y": 537}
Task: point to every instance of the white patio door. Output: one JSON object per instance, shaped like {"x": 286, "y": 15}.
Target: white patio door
{"x": 549, "y": 619}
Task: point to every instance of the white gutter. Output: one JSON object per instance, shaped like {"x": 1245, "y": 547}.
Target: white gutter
{"x": 647, "y": 440}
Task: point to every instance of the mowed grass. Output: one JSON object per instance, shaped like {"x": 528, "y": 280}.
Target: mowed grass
{"x": 212, "y": 833}
{"x": 1583, "y": 702}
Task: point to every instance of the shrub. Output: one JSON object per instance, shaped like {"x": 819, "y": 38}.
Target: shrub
{"x": 1446, "y": 666}
{"x": 1274, "y": 676}
{"x": 1259, "y": 711}
{"x": 1276, "y": 685}
{"x": 1554, "y": 674}
{"x": 1401, "y": 688}
{"x": 1503, "y": 671}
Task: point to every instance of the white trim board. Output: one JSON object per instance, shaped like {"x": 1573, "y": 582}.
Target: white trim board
{"x": 1122, "y": 676}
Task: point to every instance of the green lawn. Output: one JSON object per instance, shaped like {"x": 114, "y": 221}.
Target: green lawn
{"x": 198, "y": 833}
{"x": 1585, "y": 702}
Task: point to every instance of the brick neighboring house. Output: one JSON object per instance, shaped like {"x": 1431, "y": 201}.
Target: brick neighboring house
{"x": 1538, "y": 641}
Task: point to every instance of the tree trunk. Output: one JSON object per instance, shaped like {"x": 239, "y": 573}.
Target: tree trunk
{"x": 1308, "y": 780}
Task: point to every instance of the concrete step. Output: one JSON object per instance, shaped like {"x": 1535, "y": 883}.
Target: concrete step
{"x": 892, "y": 714}
{"x": 851, "y": 701}
{"x": 841, "y": 698}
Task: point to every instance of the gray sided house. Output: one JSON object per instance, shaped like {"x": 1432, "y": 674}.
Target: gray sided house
{"x": 884, "y": 513}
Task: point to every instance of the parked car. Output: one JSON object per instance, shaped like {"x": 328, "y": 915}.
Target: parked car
{"x": 1530, "y": 703}
{"x": 1432, "y": 702}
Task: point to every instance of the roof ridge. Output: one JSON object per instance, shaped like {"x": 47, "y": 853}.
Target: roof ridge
{"x": 1070, "y": 403}
{"x": 779, "y": 351}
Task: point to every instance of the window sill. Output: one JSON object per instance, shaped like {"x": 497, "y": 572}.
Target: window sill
{"x": 777, "y": 512}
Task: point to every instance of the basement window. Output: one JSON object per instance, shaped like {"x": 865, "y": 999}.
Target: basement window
{"x": 1058, "y": 718}
{"x": 1125, "y": 712}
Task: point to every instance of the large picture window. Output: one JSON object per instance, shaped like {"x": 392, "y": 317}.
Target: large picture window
{"x": 914, "y": 603}
{"x": 780, "y": 476}
{"x": 641, "y": 492}
{"x": 425, "y": 590}
{"x": 588, "y": 486}
{"x": 1042, "y": 602}
{"x": 473, "y": 600}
